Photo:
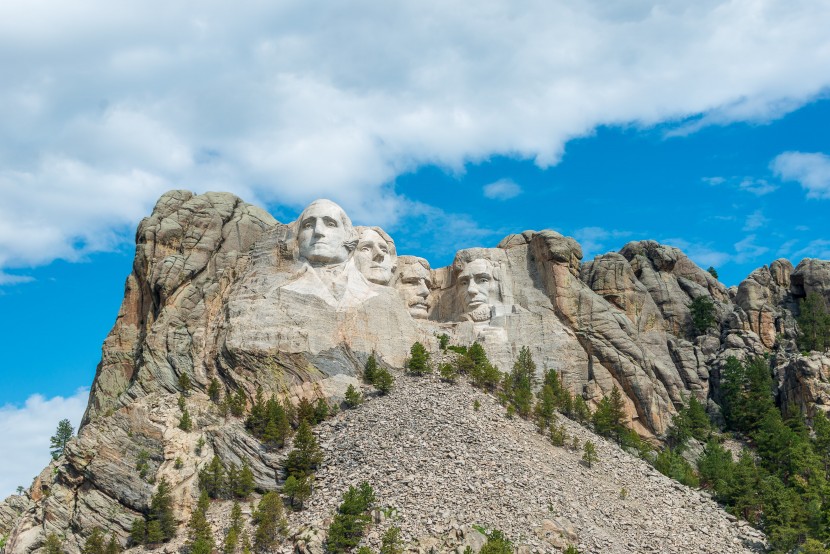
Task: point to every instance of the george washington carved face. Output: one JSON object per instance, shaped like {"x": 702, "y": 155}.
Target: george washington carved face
{"x": 325, "y": 234}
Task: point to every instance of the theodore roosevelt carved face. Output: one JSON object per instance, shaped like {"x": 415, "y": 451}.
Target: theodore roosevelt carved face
{"x": 479, "y": 289}
{"x": 325, "y": 235}
{"x": 375, "y": 256}
{"x": 414, "y": 282}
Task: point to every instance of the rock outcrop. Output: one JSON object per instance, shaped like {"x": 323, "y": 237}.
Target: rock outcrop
{"x": 222, "y": 292}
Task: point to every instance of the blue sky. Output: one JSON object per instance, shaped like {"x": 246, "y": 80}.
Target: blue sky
{"x": 703, "y": 126}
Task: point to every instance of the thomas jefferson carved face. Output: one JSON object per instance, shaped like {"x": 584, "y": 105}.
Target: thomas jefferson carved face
{"x": 324, "y": 233}
{"x": 479, "y": 288}
{"x": 375, "y": 257}
{"x": 414, "y": 281}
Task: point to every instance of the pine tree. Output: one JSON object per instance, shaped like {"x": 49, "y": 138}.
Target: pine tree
{"x": 161, "y": 517}
{"x": 370, "y": 369}
{"x": 520, "y": 383}
{"x": 418, "y": 363}
{"x": 352, "y": 516}
{"x": 545, "y": 406}
{"x": 813, "y": 323}
{"x": 391, "y": 542}
{"x": 138, "y": 531}
{"x": 94, "y": 543}
{"x": 353, "y": 397}
{"x": 270, "y": 522}
{"x": 199, "y": 532}
{"x": 298, "y": 490}
{"x": 448, "y": 372}
{"x": 185, "y": 423}
{"x": 214, "y": 390}
{"x": 321, "y": 410}
{"x": 60, "y": 438}
{"x": 703, "y": 314}
{"x": 383, "y": 381}
{"x": 496, "y": 543}
{"x": 589, "y": 454}
{"x": 212, "y": 478}
{"x": 113, "y": 546}
{"x": 306, "y": 455}
{"x": 245, "y": 483}
{"x": 713, "y": 272}
{"x": 184, "y": 383}
{"x": 53, "y": 544}
{"x": 305, "y": 410}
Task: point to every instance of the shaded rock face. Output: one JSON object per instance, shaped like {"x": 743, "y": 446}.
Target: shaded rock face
{"x": 221, "y": 290}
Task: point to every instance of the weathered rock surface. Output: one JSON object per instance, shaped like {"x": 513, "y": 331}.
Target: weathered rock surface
{"x": 220, "y": 290}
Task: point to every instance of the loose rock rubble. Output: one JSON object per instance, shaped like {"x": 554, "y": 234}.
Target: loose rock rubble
{"x": 442, "y": 467}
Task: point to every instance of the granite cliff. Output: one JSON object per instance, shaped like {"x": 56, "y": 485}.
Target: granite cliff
{"x": 222, "y": 291}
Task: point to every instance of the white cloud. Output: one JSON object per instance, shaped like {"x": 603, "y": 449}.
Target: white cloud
{"x": 818, "y": 248}
{"x": 701, "y": 254}
{"x": 755, "y": 220}
{"x": 285, "y": 101}
{"x": 503, "y": 189}
{"x": 758, "y": 187}
{"x": 811, "y": 170}
{"x": 714, "y": 181}
{"x": 596, "y": 240}
{"x": 747, "y": 251}
{"x": 25, "y": 432}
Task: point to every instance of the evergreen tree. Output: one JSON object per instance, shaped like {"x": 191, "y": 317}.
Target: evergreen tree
{"x": 821, "y": 428}
{"x": 589, "y": 454}
{"x": 448, "y": 372}
{"x": 713, "y": 272}
{"x": 113, "y": 546}
{"x": 60, "y": 438}
{"x": 716, "y": 469}
{"x": 161, "y": 518}
{"x": 231, "y": 540}
{"x": 138, "y": 531}
{"x": 496, "y": 543}
{"x": 237, "y": 403}
{"x": 545, "y": 406}
{"x": 270, "y": 522}
{"x": 703, "y": 314}
{"x": 391, "y": 542}
{"x": 214, "y": 390}
{"x": 184, "y": 383}
{"x": 609, "y": 419}
{"x": 212, "y": 479}
{"x": 418, "y": 363}
{"x": 483, "y": 374}
{"x": 321, "y": 410}
{"x": 353, "y": 397}
{"x": 443, "y": 341}
{"x": 581, "y": 412}
{"x": 383, "y": 381}
{"x": 520, "y": 383}
{"x": 352, "y": 516}
{"x": 305, "y": 411}
{"x": 813, "y": 323}
{"x": 199, "y": 532}
{"x": 370, "y": 369}
{"x": 245, "y": 482}
{"x": 94, "y": 543}
{"x": 298, "y": 490}
{"x": 53, "y": 544}
{"x": 185, "y": 423}
{"x": 306, "y": 455}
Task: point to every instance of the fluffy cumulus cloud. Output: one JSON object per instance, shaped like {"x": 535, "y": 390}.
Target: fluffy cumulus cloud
{"x": 811, "y": 170}
{"x": 104, "y": 108}
{"x": 503, "y": 189}
{"x": 25, "y": 433}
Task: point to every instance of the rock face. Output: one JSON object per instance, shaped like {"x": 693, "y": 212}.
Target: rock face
{"x": 220, "y": 291}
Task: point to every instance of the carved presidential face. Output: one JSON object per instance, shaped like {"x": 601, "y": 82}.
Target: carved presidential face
{"x": 479, "y": 288}
{"x": 374, "y": 257}
{"x": 414, "y": 282}
{"x": 324, "y": 230}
